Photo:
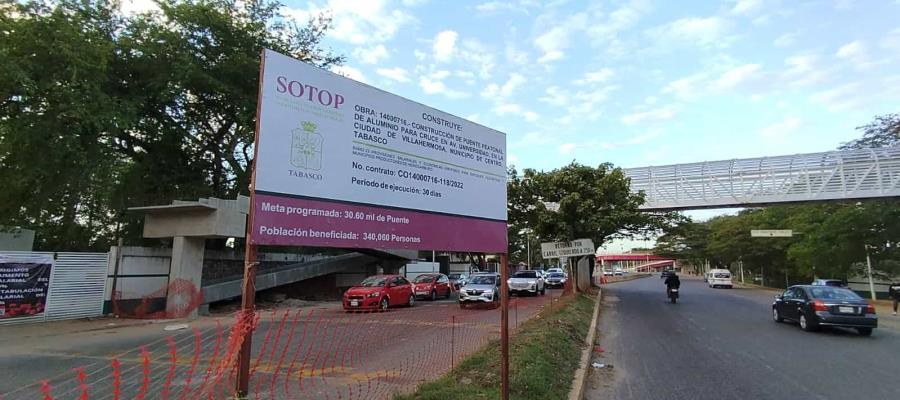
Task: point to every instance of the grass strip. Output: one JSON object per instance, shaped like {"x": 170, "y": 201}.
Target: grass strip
{"x": 543, "y": 357}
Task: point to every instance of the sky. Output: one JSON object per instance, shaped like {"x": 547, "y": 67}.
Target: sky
{"x": 633, "y": 83}
{"x": 630, "y": 82}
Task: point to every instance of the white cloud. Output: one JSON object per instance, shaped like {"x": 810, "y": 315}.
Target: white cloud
{"x": 841, "y": 98}
{"x": 444, "y": 45}
{"x": 567, "y": 148}
{"x": 555, "y": 96}
{"x": 492, "y": 7}
{"x": 604, "y": 29}
{"x": 420, "y": 55}
{"x": 398, "y": 74}
{"x": 804, "y": 70}
{"x": 785, "y": 40}
{"x": 434, "y": 86}
{"x": 358, "y": 22}
{"x": 781, "y": 129}
{"x": 349, "y": 72}
{"x": 517, "y": 110}
{"x": 857, "y": 54}
{"x": 551, "y": 56}
{"x": 650, "y": 116}
{"x": 705, "y": 32}
{"x": 370, "y": 55}
{"x": 598, "y": 76}
{"x": 474, "y": 53}
{"x": 737, "y": 76}
{"x": 554, "y": 41}
{"x": 515, "y": 56}
{"x": 498, "y": 92}
{"x": 688, "y": 87}
{"x": 743, "y": 7}
{"x": 643, "y": 138}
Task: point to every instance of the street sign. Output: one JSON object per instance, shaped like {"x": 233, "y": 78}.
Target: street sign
{"x": 771, "y": 233}
{"x": 580, "y": 247}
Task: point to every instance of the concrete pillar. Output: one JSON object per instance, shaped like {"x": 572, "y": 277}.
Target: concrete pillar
{"x": 187, "y": 264}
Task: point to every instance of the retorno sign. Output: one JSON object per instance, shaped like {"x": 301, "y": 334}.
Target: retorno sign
{"x": 580, "y": 247}
{"x": 343, "y": 164}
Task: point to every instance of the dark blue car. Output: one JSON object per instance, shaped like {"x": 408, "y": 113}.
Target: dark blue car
{"x": 817, "y": 306}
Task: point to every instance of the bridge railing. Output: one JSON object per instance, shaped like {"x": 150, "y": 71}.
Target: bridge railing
{"x": 850, "y": 174}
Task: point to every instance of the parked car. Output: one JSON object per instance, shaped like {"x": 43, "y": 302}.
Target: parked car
{"x": 559, "y": 270}
{"x": 556, "y": 279}
{"x": 607, "y": 272}
{"x": 619, "y": 272}
{"x": 720, "y": 278}
{"x": 378, "y": 293}
{"x": 483, "y": 288}
{"x": 816, "y": 306}
{"x": 526, "y": 282}
{"x": 458, "y": 279}
{"x": 829, "y": 282}
{"x": 431, "y": 286}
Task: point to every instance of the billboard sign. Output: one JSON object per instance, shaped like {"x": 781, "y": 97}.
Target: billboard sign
{"x": 580, "y": 247}
{"x": 343, "y": 164}
{"x": 23, "y": 285}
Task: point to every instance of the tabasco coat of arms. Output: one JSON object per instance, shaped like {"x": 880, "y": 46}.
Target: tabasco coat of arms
{"x": 306, "y": 147}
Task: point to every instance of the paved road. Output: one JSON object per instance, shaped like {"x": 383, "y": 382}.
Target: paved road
{"x": 317, "y": 352}
{"x": 722, "y": 344}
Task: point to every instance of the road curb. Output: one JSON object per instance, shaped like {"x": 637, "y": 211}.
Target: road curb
{"x": 577, "y": 391}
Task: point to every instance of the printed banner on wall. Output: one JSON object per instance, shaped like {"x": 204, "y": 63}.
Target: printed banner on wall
{"x": 344, "y": 164}
{"x": 24, "y": 283}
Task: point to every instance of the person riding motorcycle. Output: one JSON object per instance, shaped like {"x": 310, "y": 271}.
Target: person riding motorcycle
{"x": 672, "y": 282}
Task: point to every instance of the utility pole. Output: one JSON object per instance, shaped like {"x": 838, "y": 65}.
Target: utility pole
{"x": 741, "y": 264}
{"x": 869, "y": 267}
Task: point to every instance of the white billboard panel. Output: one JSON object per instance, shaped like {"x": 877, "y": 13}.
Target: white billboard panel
{"x": 343, "y": 164}
{"x": 325, "y": 136}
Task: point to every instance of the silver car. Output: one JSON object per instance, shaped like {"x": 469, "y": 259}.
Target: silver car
{"x": 480, "y": 289}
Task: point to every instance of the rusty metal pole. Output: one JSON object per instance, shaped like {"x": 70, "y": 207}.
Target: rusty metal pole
{"x": 248, "y": 290}
{"x": 504, "y": 327}
{"x": 248, "y": 299}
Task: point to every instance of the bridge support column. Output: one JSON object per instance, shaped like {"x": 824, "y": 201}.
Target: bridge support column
{"x": 187, "y": 264}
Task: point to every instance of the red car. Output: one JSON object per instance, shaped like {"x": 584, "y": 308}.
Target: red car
{"x": 430, "y": 286}
{"x": 378, "y": 293}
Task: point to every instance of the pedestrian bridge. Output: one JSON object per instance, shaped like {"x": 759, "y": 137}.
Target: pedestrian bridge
{"x": 834, "y": 175}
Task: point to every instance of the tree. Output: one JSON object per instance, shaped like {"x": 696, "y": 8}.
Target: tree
{"x": 594, "y": 203}
{"x": 884, "y": 131}
{"x": 101, "y": 111}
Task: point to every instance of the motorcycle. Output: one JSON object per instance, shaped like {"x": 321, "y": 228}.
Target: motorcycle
{"x": 673, "y": 294}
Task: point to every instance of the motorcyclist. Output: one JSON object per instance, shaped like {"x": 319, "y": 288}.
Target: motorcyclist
{"x": 672, "y": 281}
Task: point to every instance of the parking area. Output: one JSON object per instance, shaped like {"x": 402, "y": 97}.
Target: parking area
{"x": 318, "y": 351}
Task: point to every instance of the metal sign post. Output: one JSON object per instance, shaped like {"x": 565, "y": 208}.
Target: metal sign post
{"x": 248, "y": 289}
{"x": 504, "y": 327}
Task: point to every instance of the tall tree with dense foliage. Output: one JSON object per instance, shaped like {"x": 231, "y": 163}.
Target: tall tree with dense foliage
{"x": 100, "y": 111}
{"x": 594, "y": 203}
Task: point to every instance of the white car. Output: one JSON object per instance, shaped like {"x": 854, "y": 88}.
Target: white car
{"x": 526, "y": 282}
{"x": 607, "y": 272}
{"x": 719, "y": 278}
{"x": 557, "y": 270}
